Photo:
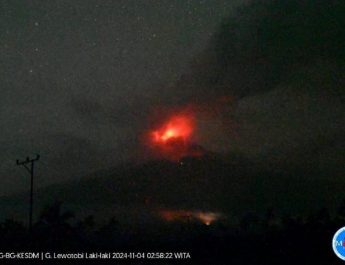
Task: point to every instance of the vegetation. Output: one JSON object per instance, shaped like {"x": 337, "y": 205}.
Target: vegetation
{"x": 269, "y": 239}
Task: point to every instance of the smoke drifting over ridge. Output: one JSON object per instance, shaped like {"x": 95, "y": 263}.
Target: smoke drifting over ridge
{"x": 282, "y": 65}
{"x": 261, "y": 44}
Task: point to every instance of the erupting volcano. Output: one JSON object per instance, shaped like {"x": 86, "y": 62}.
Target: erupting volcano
{"x": 173, "y": 138}
{"x": 177, "y": 127}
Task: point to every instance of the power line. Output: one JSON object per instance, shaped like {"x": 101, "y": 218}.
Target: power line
{"x": 29, "y": 166}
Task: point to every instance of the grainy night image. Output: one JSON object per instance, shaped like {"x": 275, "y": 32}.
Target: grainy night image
{"x": 172, "y": 131}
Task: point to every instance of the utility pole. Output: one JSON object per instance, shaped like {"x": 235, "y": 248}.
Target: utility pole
{"x": 29, "y": 165}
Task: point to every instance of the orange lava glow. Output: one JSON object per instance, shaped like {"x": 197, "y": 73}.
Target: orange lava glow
{"x": 206, "y": 218}
{"x": 177, "y": 127}
{"x": 172, "y": 139}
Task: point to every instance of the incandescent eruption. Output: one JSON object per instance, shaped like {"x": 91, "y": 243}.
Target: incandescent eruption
{"x": 177, "y": 127}
{"x": 173, "y": 138}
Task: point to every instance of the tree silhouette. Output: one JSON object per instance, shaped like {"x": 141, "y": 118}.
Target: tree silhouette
{"x": 53, "y": 228}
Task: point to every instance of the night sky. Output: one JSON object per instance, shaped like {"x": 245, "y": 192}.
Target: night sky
{"x": 80, "y": 79}
{"x": 77, "y": 77}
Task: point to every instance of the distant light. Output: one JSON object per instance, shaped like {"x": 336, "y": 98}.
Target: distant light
{"x": 206, "y": 218}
